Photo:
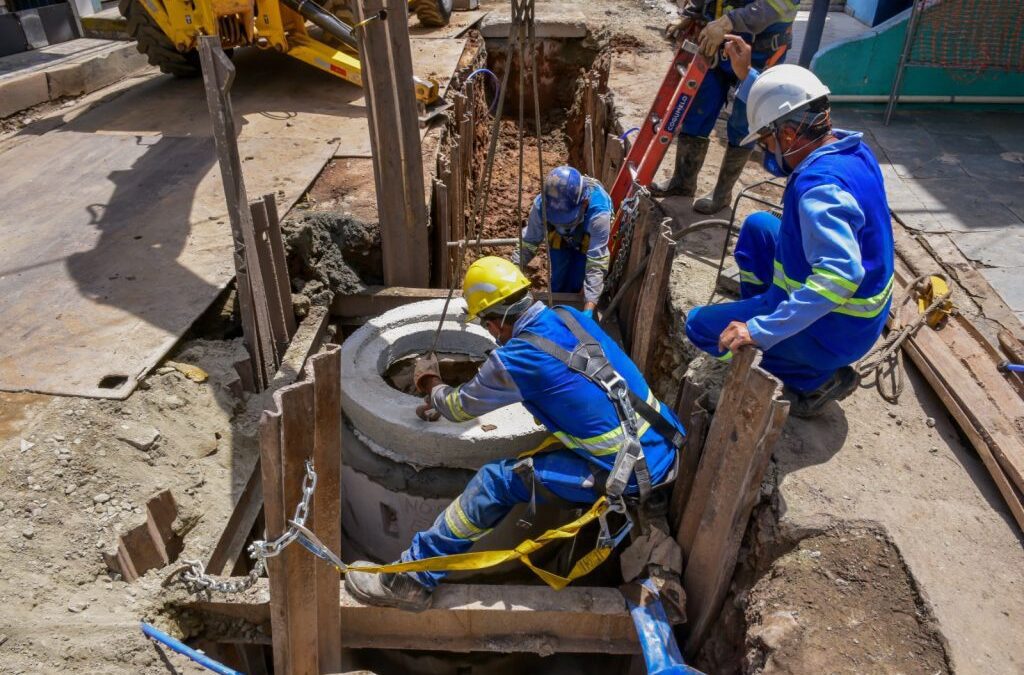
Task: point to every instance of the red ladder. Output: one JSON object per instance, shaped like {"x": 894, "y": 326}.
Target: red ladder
{"x": 675, "y": 95}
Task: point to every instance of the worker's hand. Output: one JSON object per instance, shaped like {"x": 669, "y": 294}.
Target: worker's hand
{"x": 738, "y": 52}
{"x": 425, "y": 411}
{"x": 734, "y": 336}
{"x": 679, "y": 30}
{"x": 426, "y": 374}
{"x": 711, "y": 37}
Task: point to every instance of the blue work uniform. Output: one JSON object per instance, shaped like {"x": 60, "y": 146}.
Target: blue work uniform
{"x": 816, "y": 285}
{"x": 767, "y": 26}
{"x": 573, "y": 408}
{"x": 579, "y": 250}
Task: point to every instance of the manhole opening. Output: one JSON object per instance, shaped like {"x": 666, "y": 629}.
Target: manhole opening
{"x": 456, "y": 369}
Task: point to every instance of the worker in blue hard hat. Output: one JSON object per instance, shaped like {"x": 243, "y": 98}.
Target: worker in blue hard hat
{"x": 579, "y": 214}
{"x": 816, "y": 284}
{"x": 766, "y": 25}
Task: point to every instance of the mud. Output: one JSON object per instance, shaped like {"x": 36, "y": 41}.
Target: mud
{"x": 329, "y": 253}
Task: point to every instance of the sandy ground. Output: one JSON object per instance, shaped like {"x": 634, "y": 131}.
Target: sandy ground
{"x": 885, "y": 498}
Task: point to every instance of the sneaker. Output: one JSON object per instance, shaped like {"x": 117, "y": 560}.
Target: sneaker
{"x": 387, "y": 590}
{"x": 810, "y": 404}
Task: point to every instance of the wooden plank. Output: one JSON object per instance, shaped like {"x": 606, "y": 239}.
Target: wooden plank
{"x": 470, "y": 617}
{"x": 744, "y": 435}
{"x": 1014, "y": 351}
{"x": 442, "y": 233}
{"x": 307, "y": 340}
{"x": 695, "y": 421}
{"x": 386, "y": 59}
{"x": 274, "y": 517}
{"x": 324, "y": 369}
{"x": 650, "y": 309}
{"x": 268, "y": 280}
{"x": 588, "y": 146}
{"x": 297, "y": 437}
{"x": 376, "y": 300}
{"x": 638, "y": 249}
{"x": 231, "y": 545}
{"x": 280, "y": 261}
{"x": 613, "y": 156}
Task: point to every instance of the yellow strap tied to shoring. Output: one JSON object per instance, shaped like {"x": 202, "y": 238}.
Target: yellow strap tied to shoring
{"x": 479, "y": 560}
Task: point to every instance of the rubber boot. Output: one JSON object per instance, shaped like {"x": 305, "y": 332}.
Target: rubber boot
{"x": 842, "y": 383}
{"x": 732, "y": 166}
{"x": 387, "y": 590}
{"x": 690, "y": 151}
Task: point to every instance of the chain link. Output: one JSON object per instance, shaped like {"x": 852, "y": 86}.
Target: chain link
{"x": 630, "y": 207}
{"x": 193, "y": 572}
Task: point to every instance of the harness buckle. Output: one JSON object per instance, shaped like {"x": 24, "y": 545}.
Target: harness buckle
{"x": 607, "y": 538}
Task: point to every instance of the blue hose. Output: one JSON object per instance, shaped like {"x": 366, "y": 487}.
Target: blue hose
{"x": 182, "y": 648}
{"x": 494, "y": 78}
{"x": 626, "y": 133}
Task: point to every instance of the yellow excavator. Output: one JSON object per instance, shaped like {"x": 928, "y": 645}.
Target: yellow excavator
{"x": 166, "y": 32}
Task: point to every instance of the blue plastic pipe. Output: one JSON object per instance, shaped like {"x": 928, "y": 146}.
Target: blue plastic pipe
{"x": 661, "y": 652}
{"x": 626, "y": 134}
{"x": 182, "y": 648}
{"x": 494, "y": 79}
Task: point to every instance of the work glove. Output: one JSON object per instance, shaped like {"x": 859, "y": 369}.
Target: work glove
{"x": 426, "y": 412}
{"x": 680, "y": 29}
{"x": 426, "y": 368}
{"x": 714, "y": 33}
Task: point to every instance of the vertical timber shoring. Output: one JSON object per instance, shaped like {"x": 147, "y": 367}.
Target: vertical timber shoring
{"x": 385, "y": 54}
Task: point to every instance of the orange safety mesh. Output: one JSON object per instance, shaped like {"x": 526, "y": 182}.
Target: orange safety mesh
{"x": 975, "y": 35}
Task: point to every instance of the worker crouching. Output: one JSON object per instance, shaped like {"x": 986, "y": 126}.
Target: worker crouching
{"x": 579, "y": 213}
{"x": 816, "y": 284}
{"x": 615, "y": 437}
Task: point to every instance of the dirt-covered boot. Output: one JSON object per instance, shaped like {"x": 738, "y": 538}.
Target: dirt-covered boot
{"x": 842, "y": 383}
{"x": 732, "y": 166}
{"x": 690, "y": 151}
{"x": 387, "y": 590}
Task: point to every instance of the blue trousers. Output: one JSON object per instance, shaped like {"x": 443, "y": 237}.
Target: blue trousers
{"x": 799, "y": 361}
{"x": 568, "y": 267}
{"x": 711, "y": 97}
{"x": 488, "y": 498}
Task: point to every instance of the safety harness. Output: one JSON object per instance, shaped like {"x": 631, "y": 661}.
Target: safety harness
{"x": 589, "y": 360}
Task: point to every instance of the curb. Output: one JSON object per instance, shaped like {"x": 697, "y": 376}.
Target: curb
{"x": 69, "y": 79}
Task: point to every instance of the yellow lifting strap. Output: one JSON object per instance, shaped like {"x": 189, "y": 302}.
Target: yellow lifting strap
{"x": 479, "y": 560}
{"x": 547, "y": 444}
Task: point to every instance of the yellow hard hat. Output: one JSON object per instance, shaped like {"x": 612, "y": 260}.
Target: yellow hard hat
{"x": 490, "y": 281}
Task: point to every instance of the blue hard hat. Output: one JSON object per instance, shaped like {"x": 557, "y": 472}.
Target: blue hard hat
{"x": 563, "y": 190}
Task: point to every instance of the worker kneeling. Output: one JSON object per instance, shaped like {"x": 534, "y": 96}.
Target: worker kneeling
{"x": 618, "y": 439}
{"x": 816, "y": 284}
{"x": 579, "y": 213}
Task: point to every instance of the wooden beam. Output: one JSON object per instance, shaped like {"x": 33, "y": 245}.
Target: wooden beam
{"x": 743, "y": 432}
{"x": 376, "y": 300}
{"x": 307, "y": 340}
{"x": 324, "y": 370}
{"x": 650, "y": 308}
{"x": 613, "y": 157}
{"x": 468, "y": 617}
{"x": 280, "y": 261}
{"x": 385, "y": 54}
{"x": 269, "y": 287}
{"x": 274, "y": 516}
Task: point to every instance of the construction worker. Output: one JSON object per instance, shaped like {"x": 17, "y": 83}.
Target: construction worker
{"x": 579, "y": 213}
{"x": 538, "y": 363}
{"x": 816, "y": 284}
{"x": 765, "y": 24}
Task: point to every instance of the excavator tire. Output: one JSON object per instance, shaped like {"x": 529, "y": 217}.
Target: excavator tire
{"x": 154, "y": 43}
{"x": 433, "y": 13}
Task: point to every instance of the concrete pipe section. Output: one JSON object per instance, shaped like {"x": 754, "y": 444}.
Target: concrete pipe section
{"x": 400, "y": 472}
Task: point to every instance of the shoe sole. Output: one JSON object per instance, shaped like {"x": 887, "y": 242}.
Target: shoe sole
{"x": 386, "y": 601}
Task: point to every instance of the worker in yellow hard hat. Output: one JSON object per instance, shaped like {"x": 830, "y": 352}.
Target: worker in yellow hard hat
{"x": 616, "y": 438}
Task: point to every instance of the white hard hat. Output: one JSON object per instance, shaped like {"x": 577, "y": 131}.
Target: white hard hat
{"x": 777, "y": 92}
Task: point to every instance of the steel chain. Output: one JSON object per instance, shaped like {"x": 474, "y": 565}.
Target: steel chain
{"x": 193, "y": 572}
{"x": 630, "y": 206}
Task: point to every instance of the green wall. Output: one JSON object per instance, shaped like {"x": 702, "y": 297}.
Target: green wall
{"x": 867, "y": 63}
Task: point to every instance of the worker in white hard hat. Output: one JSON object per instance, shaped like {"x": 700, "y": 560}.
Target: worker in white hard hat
{"x": 816, "y": 284}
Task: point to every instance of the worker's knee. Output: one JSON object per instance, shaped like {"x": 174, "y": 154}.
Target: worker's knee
{"x": 759, "y": 228}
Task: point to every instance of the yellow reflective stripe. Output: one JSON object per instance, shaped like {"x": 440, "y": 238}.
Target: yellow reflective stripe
{"x": 749, "y": 277}
{"x": 867, "y": 308}
{"x": 779, "y": 7}
{"x": 531, "y": 246}
{"x": 455, "y": 406}
{"x": 836, "y": 279}
{"x": 824, "y": 291}
{"x": 609, "y": 442}
{"x": 458, "y": 522}
{"x": 725, "y": 357}
{"x": 598, "y": 261}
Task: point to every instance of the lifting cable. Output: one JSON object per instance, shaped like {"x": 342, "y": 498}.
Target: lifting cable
{"x": 521, "y": 30}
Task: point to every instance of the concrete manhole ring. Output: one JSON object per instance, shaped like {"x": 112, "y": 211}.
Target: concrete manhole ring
{"x": 386, "y": 417}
